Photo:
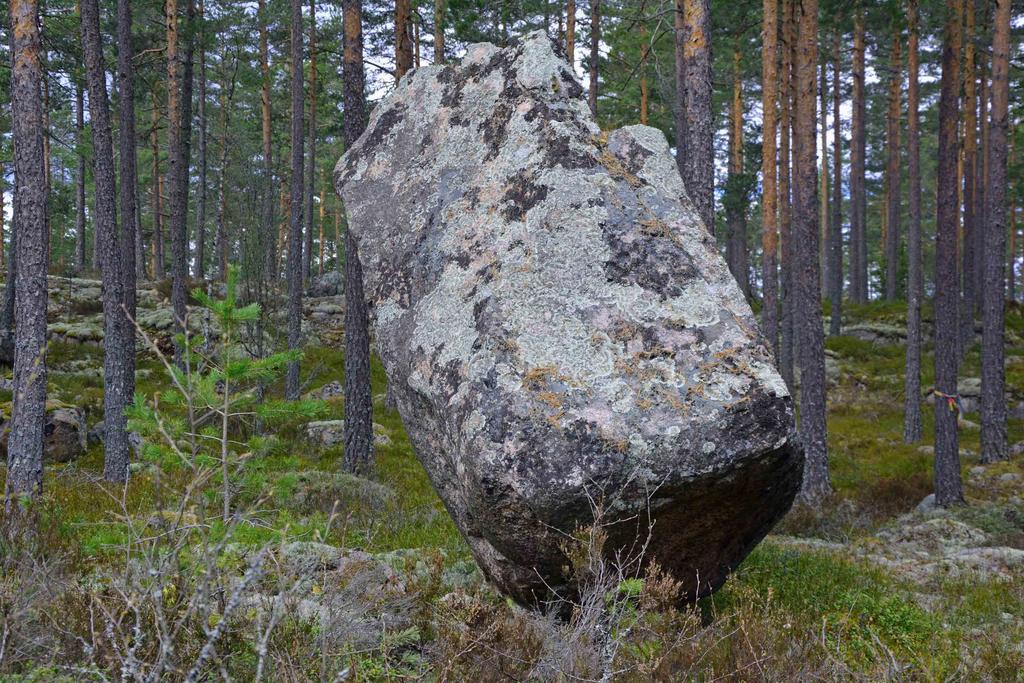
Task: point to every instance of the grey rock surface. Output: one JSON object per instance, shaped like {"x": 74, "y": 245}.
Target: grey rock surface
{"x": 559, "y": 328}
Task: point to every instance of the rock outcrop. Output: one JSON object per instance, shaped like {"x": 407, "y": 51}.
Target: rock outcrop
{"x": 559, "y": 328}
{"x": 64, "y": 433}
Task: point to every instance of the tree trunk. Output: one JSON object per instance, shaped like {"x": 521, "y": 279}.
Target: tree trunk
{"x": 892, "y": 175}
{"x": 993, "y": 372}
{"x": 111, "y": 250}
{"x": 80, "y": 177}
{"x": 948, "y": 486}
{"x": 199, "y": 267}
{"x": 307, "y": 252}
{"x": 823, "y": 198}
{"x": 157, "y": 196}
{"x": 179, "y": 115}
{"x": 816, "y": 483}
{"x": 981, "y": 179}
{"x": 787, "y": 346}
{"x": 595, "y": 54}
{"x": 915, "y": 278}
{"x": 403, "y": 39}
{"x": 226, "y": 96}
{"x": 858, "y": 151}
{"x": 358, "y": 398}
{"x": 122, "y": 346}
{"x": 696, "y": 154}
{"x": 439, "y": 31}
{"x": 835, "y": 234}
{"x": 323, "y": 205}
{"x": 736, "y": 218}
{"x": 294, "y": 265}
{"x": 769, "y": 195}
{"x": 645, "y": 48}
{"x": 266, "y": 241}
{"x": 25, "y": 444}
{"x": 970, "y": 162}
{"x": 570, "y": 33}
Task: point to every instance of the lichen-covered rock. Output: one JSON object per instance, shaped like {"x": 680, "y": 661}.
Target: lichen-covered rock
{"x": 64, "y": 433}
{"x": 559, "y": 328}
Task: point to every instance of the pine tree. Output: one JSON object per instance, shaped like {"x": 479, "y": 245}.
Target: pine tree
{"x": 892, "y": 174}
{"x": 696, "y": 154}
{"x": 294, "y": 267}
{"x": 807, "y": 277}
{"x": 835, "y": 233}
{"x": 358, "y": 398}
{"x": 25, "y": 444}
{"x": 993, "y": 372}
{"x": 915, "y": 277}
{"x": 948, "y": 486}
{"x": 769, "y": 198}
{"x": 595, "y": 54}
{"x": 858, "y": 153}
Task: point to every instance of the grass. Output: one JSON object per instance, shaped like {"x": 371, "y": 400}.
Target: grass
{"x": 815, "y": 609}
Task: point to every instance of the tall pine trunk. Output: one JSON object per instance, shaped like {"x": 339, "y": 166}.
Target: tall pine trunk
{"x": 993, "y": 372}
{"x": 358, "y": 397}
{"x": 570, "y": 33}
{"x": 199, "y": 266}
{"x": 696, "y": 155}
{"x": 157, "y": 192}
{"x": 970, "y": 161}
{"x": 227, "y": 95}
{"x": 981, "y": 178}
{"x": 835, "y": 233}
{"x": 595, "y": 54}
{"x": 294, "y": 266}
{"x": 915, "y": 276}
{"x": 823, "y": 179}
{"x": 403, "y": 38}
{"x": 787, "y": 346}
{"x": 439, "y": 31}
{"x": 736, "y": 219}
{"x": 25, "y": 444}
{"x": 807, "y": 276}
{"x": 892, "y": 173}
{"x": 769, "y": 197}
{"x": 858, "y": 152}
{"x": 80, "y": 177}
{"x": 307, "y": 250}
{"x": 948, "y": 486}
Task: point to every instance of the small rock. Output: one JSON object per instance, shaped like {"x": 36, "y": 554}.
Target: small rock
{"x": 331, "y": 283}
{"x": 325, "y": 433}
{"x": 1017, "y": 449}
{"x": 928, "y": 504}
{"x": 976, "y": 471}
{"x": 967, "y": 424}
{"x": 1009, "y": 476}
{"x": 330, "y": 390}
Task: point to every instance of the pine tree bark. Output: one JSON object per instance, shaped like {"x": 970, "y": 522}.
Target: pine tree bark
{"x": 769, "y": 196}
{"x": 970, "y": 161}
{"x": 121, "y": 346}
{"x": 993, "y": 372}
{"x": 199, "y": 266}
{"x": 439, "y": 6}
{"x": 736, "y": 219}
{"x": 80, "y": 176}
{"x": 358, "y": 398}
{"x": 595, "y": 54}
{"x": 226, "y": 97}
{"x": 294, "y": 266}
{"x": 179, "y": 108}
{"x": 403, "y": 39}
{"x": 816, "y": 483}
{"x": 858, "y": 153}
{"x": 266, "y": 239}
{"x": 645, "y": 49}
{"x": 696, "y": 153}
{"x": 892, "y": 174}
{"x": 307, "y": 251}
{"x": 835, "y": 234}
{"x": 948, "y": 485}
{"x": 915, "y": 277}
{"x": 25, "y": 444}
{"x": 787, "y": 346}
{"x": 570, "y": 33}
{"x": 115, "y": 322}
{"x": 156, "y": 200}
{"x": 823, "y": 176}
{"x": 982, "y": 168}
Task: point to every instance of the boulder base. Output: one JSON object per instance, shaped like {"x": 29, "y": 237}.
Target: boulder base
{"x": 558, "y": 327}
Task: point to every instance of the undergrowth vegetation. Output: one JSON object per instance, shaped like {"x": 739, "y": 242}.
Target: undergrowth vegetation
{"x": 255, "y": 558}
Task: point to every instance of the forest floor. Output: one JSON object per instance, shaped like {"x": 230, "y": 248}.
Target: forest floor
{"x": 368, "y": 578}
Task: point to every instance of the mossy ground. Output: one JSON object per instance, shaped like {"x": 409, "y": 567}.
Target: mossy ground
{"x": 810, "y": 611}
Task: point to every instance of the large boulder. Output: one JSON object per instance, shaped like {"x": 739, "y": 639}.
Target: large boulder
{"x": 64, "y": 432}
{"x": 559, "y": 329}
